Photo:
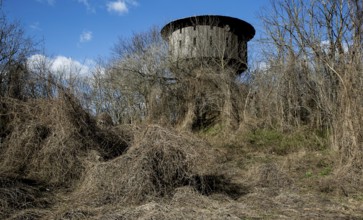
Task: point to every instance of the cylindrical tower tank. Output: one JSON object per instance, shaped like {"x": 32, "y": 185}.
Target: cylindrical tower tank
{"x": 210, "y": 38}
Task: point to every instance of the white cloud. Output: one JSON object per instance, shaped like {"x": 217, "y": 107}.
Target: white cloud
{"x": 85, "y": 36}
{"x": 120, "y": 7}
{"x": 325, "y": 44}
{"x": 70, "y": 67}
{"x": 60, "y": 65}
{"x": 38, "y": 62}
{"x": 264, "y": 66}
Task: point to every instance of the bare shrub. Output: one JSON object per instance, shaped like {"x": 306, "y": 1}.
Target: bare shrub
{"x": 29, "y": 214}
{"x": 314, "y": 75}
{"x": 48, "y": 140}
{"x": 17, "y": 195}
{"x": 159, "y": 161}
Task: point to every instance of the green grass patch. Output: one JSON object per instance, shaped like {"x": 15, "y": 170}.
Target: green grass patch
{"x": 281, "y": 143}
{"x": 325, "y": 171}
{"x": 309, "y": 174}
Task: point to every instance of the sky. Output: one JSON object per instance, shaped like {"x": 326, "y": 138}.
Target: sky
{"x": 84, "y": 30}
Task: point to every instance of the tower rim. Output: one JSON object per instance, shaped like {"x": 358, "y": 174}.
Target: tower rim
{"x": 236, "y": 25}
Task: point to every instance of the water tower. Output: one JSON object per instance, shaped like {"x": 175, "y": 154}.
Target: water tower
{"x": 210, "y": 45}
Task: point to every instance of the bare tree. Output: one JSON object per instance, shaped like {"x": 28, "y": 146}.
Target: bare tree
{"x": 132, "y": 86}
{"x": 315, "y": 69}
{"x": 15, "y": 47}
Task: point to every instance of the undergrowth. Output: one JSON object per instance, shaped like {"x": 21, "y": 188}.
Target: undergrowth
{"x": 57, "y": 163}
{"x": 282, "y": 143}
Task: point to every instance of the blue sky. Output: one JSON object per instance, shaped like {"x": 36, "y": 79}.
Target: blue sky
{"x": 86, "y": 29}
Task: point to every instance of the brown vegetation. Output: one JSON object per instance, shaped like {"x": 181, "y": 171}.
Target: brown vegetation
{"x": 62, "y": 169}
{"x": 297, "y": 152}
{"x": 47, "y": 140}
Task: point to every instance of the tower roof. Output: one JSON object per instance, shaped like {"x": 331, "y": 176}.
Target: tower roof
{"x": 237, "y": 26}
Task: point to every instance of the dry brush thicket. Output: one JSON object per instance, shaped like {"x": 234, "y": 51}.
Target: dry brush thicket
{"x": 54, "y": 153}
{"x": 314, "y": 73}
{"x": 137, "y": 141}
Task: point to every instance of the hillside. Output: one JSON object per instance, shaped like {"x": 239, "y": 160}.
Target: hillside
{"x": 57, "y": 163}
{"x": 191, "y": 124}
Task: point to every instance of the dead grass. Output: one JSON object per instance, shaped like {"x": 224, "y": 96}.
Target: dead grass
{"x": 21, "y": 194}
{"x": 159, "y": 161}
{"x": 48, "y": 140}
{"x": 56, "y": 163}
{"x": 46, "y": 144}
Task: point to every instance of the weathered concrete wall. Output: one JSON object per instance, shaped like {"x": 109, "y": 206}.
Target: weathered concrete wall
{"x": 207, "y": 41}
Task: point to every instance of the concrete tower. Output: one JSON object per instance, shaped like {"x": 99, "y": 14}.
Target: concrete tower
{"x": 209, "y": 38}
{"x": 209, "y": 51}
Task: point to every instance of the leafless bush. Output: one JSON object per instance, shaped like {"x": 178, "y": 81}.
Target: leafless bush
{"x": 47, "y": 140}
{"x": 159, "y": 161}
{"x": 14, "y": 49}
{"x": 19, "y": 194}
{"x": 313, "y": 74}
